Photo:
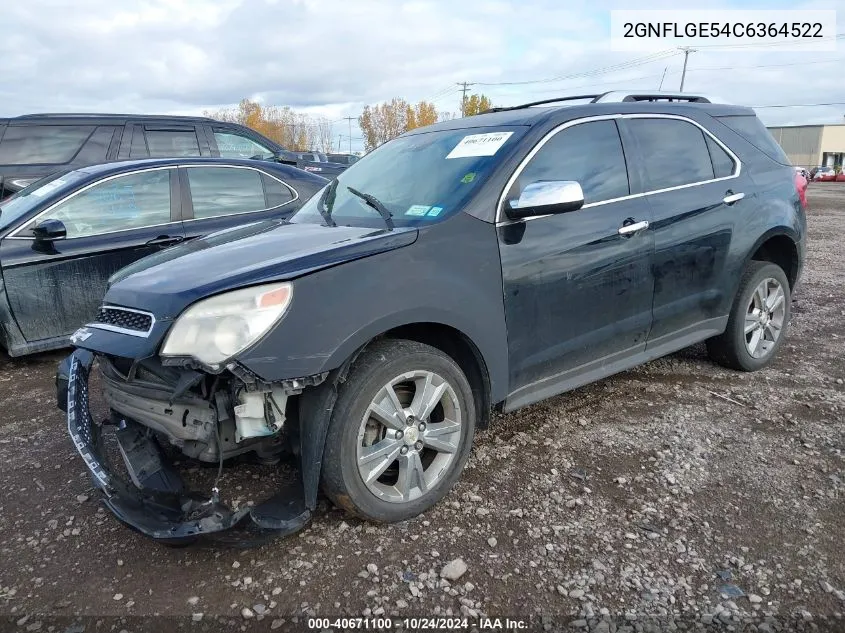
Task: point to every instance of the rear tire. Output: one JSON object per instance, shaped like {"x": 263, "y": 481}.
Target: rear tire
{"x": 400, "y": 432}
{"x": 757, "y": 322}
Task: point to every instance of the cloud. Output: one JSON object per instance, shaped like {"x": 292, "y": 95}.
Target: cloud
{"x": 334, "y": 56}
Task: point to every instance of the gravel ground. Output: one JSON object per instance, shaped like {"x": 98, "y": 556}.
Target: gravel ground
{"x": 679, "y": 494}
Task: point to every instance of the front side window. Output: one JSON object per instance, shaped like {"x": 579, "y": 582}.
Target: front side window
{"x": 217, "y": 191}
{"x": 674, "y": 152}
{"x": 420, "y": 178}
{"x": 236, "y": 146}
{"x": 589, "y": 153}
{"x": 131, "y": 201}
{"x": 42, "y": 144}
{"x": 172, "y": 143}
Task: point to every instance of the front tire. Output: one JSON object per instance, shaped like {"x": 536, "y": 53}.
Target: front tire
{"x": 400, "y": 432}
{"x": 757, "y": 323}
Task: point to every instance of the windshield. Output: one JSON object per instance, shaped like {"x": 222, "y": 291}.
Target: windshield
{"x": 25, "y": 200}
{"x": 420, "y": 178}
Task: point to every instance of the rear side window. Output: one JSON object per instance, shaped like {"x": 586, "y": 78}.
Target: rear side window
{"x": 275, "y": 192}
{"x": 233, "y": 145}
{"x": 42, "y": 144}
{"x": 674, "y": 152}
{"x": 172, "y": 143}
{"x": 217, "y": 191}
{"x": 723, "y": 164}
{"x": 589, "y": 153}
{"x": 752, "y": 130}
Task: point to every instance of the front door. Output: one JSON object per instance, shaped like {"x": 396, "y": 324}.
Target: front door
{"x": 578, "y": 292}
{"x": 55, "y": 286}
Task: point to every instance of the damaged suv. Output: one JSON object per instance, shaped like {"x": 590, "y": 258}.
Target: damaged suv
{"x": 476, "y": 265}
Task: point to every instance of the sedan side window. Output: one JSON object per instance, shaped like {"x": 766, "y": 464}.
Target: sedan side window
{"x": 131, "y": 201}
{"x": 589, "y": 153}
{"x": 674, "y": 152}
{"x": 217, "y": 191}
{"x": 237, "y": 146}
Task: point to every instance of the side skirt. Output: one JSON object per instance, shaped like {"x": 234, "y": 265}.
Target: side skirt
{"x": 609, "y": 365}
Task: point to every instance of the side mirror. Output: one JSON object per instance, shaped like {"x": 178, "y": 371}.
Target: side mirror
{"x": 49, "y": 230}
{"x": 549, "y": 196}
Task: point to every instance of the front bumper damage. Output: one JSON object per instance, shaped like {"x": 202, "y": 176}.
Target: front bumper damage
{"x": 154, "y": 501}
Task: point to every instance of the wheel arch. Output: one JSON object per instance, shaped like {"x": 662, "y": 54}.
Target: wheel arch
{"x": 779, "y": 246}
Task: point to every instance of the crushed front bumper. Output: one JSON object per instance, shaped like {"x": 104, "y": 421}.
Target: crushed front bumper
{"x": 156, "y": 505}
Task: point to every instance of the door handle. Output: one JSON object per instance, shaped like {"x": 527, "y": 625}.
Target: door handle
{"x": 731, "y": 197}
{"x": 165, "y": 240}
{"x": 629, "y": 229}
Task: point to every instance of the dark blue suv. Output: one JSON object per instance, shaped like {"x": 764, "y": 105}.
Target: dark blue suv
{"x": 479, "y": 264}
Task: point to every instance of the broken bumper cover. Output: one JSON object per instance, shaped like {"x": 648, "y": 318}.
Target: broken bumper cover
{"x": 160, "y": 508}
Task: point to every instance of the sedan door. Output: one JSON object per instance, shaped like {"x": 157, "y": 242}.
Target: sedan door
{"x": 578, "y": 286}
{"x": 54, "y": 286}
{"x": 221, "y": 196}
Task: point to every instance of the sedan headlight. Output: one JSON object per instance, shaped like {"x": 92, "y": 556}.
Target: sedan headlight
{"x": 215, "y": 329}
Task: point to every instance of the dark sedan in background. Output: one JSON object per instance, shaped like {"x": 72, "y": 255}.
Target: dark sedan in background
{"x": 62, "y": 237}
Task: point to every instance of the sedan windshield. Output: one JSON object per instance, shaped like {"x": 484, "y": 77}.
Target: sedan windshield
{"x": 25, "y": 200}
{"x": 420, "y": 178}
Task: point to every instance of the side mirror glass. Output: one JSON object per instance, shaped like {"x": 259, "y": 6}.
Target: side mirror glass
{"x": 49, "y": 230}
{"x": 546, "y": 196}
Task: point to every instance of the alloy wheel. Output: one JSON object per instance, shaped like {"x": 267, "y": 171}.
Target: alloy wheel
{"x": 764, "y": 318}
{"x": 409, "y": 436}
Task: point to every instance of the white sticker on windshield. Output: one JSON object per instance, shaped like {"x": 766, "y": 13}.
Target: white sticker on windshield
{"x": 479, "y": 144}
{"x": 417, "y": 209}
{"x": 49, "y": 187}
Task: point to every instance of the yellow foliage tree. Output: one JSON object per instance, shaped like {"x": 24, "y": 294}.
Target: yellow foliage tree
{"x": 290, "y": 129}
{"x": 382, "y": 122}
{"x": 476, "y": 104}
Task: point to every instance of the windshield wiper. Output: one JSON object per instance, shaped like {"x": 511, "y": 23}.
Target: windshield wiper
{"x": 321, "y": 203}
{"x": 375, "y": 204}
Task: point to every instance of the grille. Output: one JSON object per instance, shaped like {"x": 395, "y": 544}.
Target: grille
{"x": 125, "y": 319}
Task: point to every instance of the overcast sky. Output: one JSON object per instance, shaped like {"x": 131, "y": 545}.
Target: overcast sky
{"x": 331, "y": 57}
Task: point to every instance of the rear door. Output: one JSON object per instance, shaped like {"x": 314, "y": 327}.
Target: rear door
{"x": 54, "y": 287}
{"x": 696, "y": 190}
{"x": 218, "y": 197}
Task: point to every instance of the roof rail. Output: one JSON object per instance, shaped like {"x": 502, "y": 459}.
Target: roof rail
{"x": 620, "y": 96}
{"x": 94, "y": 115}
{"x": 623, "y": 96}
{"x": 592, "y": 98}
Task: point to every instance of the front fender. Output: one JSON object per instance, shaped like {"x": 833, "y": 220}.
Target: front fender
{"x": 450, "y": 276}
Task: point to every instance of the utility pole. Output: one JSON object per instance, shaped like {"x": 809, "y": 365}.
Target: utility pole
{"x": 350, "y": 119}
{"x": 660, "y": 87}
{"x": 687, "y": 50}
{"x": 464, "y": 95}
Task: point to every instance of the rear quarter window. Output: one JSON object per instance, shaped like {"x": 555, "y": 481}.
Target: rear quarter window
{"x": 752, "y": 130}
{"x": 42, "y": 144}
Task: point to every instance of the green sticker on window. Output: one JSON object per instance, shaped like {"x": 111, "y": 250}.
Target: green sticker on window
{"x": 468, "y": 178}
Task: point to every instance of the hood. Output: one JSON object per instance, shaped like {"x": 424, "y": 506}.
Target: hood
{"x": 167, "y": 282}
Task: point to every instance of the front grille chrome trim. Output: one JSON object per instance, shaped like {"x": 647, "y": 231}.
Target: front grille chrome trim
{"x": 121, "y": 330}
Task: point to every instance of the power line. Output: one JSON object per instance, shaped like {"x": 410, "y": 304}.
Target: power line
{"x": 838, "y": 36}
{"x": 597, "y": 71}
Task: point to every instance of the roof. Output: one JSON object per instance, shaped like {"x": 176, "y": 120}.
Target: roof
{"x": 529, "y": 116}
{"x": 94, "y": 115}
{"x": 117, "y": 167}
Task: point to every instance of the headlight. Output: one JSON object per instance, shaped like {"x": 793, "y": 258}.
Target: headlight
{"x": 215, "y": 329}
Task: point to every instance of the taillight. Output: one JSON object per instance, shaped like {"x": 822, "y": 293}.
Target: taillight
{"x": 801, "y": 188}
